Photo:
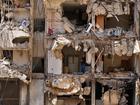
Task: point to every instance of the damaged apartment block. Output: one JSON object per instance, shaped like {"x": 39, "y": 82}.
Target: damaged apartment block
{"x": 70, "y": 52}
{"x": 92, "y": 52}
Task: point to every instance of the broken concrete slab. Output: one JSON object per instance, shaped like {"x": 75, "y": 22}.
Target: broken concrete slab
{"x": 66, "y": 85}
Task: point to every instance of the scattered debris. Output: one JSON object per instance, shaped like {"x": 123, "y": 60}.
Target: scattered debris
{"x": 66, "y": 85}
{"x": 114, "y": 97}
{"x": 11, "y": 71}
{"x": 59, "y": 43}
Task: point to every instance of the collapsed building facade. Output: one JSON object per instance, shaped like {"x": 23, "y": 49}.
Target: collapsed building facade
{"x": 70, "y": 52}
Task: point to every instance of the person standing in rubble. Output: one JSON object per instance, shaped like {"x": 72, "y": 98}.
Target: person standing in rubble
{"x": 83, "y": 64}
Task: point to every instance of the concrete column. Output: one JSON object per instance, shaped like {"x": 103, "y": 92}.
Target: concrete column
{"x": 36, "y": 96}
{"x": 47, "y": 102}
{"x": 54, "y": 64}
{"x": 23, "y": 94}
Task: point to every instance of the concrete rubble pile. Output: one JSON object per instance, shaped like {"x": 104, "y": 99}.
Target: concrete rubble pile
{"x": 66, "y": 85}
{"x": 114, "y": 97}
{"x": 116, "y": 94}
{"x": 21, "y": 68}
{"x": 7, "y": 71}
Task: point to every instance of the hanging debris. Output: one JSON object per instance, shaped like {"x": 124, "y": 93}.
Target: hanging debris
{"x": 68, "y": 26}
{"x": 114, "y": 97}
{"x": 58, "y": 45}
{"x": 102, "y": 8}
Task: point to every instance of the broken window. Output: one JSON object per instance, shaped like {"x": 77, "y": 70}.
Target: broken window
{"x": 39, "y": 25}
{"x": 8, "y": 54}
{"x": 38, "y": 65}
{"x": 75, "y": 13}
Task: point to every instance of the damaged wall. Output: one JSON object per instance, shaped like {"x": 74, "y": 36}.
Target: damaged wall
{"x": 115, "y": 35}
{"x": 89, "y": 39}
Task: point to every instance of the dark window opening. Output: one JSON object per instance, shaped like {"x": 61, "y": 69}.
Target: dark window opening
{"x": 39, "y": 25}
{"x": 9, "y": 92}
{"x": 8, "y": 54}
{"x": 125, "y": 22}
{"x": 38, "y": 65}
{"x": 76, "y": 14}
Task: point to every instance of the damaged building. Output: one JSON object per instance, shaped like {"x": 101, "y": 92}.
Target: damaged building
{"x": 70, "y": 52}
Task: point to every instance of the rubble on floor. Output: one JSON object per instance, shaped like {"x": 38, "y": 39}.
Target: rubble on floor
{"x": 114, "y": 97}
{"x": 117, "y": 74}
{"x": 66, "y": 85}
{"x": 12, "y": 71}
{"x": 120, "y": 47}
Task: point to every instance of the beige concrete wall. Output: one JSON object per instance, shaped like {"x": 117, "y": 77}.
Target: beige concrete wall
{"x": 36, "y": 92}
{"x": 21, "y": 57}
{"x": 23, "y": 94}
